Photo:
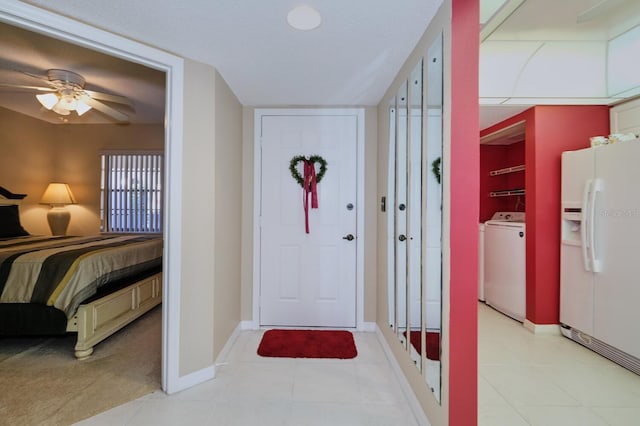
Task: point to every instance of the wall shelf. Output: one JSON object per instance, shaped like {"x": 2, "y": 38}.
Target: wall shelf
{"x": 507, "y": 170}
{"x": 507, "y": 193}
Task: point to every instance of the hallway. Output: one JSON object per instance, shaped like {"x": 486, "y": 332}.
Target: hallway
{"x": 524, "y": 380}
{"x": 252, "y": 390}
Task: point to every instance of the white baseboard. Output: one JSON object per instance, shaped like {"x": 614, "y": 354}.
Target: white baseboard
{"x": 545, "y": 329}
{"x": 208, "y": 373}
{"x": 249, "y": 325}
{"x": 222, "y": 356}
{"x": 369, "y": 327}
{"x": 416, "y": 408}
{"x": 195, "y": 378}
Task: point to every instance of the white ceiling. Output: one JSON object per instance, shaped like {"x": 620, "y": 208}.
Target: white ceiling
{"x": 349, "y": 60}
{"x": 541, "y": 54}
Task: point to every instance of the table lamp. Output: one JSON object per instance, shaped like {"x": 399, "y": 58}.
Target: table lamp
{"x": 58, "y": 195}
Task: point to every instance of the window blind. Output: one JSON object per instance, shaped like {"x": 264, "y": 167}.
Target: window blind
{"x": 131, "y": 190}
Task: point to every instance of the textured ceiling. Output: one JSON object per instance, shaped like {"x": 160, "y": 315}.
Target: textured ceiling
{"x": 349, "y": 60}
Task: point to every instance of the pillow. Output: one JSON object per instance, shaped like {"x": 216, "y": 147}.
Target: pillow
{"x": 10, "y": 222}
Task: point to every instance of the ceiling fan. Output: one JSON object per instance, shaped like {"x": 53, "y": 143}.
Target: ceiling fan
{"x": 64, "y": 92}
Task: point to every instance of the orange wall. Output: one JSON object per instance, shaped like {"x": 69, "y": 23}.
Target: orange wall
{"x": 26, "y": 165}
{"x": 34, "y": 153}
{"x": 465, "y": 164}
{"x": 550, "y": 130}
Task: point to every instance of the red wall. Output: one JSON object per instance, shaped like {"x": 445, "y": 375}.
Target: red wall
{"x": 550, "y": 130}
{"x": 464, "y": 187}
{"x": 494, "y": 157}
{"x": 557, "y": 129}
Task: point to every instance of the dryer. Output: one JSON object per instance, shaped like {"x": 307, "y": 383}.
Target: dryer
{"x": 505, "y": 264}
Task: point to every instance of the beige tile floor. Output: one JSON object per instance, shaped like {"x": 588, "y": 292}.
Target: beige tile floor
{"x": 527, "y": 379}
{"x": 252, "y": 390}
{"x": 524, "y": 379}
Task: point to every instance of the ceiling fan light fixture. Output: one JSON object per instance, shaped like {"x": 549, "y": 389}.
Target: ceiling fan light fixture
{"x": 59, "y": 109}
{"x": 48, "y": 100}
{"x": 66, "y": 93}
{"x": 67, "y": 100}
{"x": 81, "y": 107}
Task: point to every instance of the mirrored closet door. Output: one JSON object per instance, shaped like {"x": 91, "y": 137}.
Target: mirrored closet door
{"x": 414, "y": 223}
{"x": 414, "y": 215}
{"x": 400, "y": 212}
{"x": 432, "y": 183}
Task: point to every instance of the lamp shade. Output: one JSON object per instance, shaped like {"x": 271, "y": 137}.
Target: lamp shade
{"x": 58, "y": 193}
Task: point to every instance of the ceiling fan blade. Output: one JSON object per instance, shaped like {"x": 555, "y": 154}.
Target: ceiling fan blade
{"x": 597, "y": 10}
{"x": 109, "y": 98}
{"x": 39, "y": 77}
{"x": 105, "y": 109}
{"x": 42, "y": 78}
{"x": 23, "y": 87}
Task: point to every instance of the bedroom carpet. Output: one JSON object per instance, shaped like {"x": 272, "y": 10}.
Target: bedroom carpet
{"x": 43, "y": 384}
{"x": 307, "y": 344}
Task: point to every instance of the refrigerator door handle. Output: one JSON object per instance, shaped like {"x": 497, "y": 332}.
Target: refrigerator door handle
{"x": 596, "y": 186}
{"x": 585, "y": 226}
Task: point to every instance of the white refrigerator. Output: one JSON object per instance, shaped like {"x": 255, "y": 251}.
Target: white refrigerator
{"x": 600, "y": 250}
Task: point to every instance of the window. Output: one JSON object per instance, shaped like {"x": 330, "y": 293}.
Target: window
{"x": 131, "y": 189}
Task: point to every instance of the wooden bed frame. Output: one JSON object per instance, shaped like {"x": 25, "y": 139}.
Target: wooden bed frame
{"x": 99, "y": 319}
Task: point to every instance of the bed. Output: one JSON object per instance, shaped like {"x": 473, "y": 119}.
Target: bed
{"x": 90, "y": 285}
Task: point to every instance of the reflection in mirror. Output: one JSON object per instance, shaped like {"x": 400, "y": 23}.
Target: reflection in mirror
{"x": 432, "y": 274}
{"x": 400, "y": 213}
{"x": 390, "y": 205}
{"x": 414, "y": 220}
{"x": 414, "y": 212}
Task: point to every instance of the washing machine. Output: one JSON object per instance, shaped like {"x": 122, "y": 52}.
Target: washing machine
{"x": 505, "y": 263}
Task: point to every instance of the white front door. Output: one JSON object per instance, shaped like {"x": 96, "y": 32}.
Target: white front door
{"x": 308, "y": 279}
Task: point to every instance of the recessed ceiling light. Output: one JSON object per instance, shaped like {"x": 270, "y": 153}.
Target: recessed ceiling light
{"x": 304, "y": 18}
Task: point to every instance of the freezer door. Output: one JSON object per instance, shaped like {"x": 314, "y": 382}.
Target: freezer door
{"x": 577, "y": 169}
{"x": 576, "y": 281}
{"x": 617, "y": 247}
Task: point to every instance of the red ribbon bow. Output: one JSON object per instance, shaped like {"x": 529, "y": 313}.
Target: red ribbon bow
{"x": 310, "y": 188}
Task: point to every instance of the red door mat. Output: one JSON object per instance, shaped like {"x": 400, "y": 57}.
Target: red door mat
{"x": 307, "y": 344}
{"x": 432, "y": 340}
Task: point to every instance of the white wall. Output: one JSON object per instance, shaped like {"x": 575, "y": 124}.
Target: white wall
{"x": 198, "y": 215}
{"x": 228, "y": 208}
{"x": 211, "y": 195}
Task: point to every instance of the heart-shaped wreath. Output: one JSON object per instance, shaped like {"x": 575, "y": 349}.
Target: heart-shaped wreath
{"x": 293, "y": 167}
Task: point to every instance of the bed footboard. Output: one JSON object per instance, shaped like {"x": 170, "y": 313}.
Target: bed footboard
{"x": 101, "y": 318}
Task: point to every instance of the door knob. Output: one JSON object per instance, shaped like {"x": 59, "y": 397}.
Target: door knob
{"x": 349, "y": 237}
{"x": 401, "y": 237}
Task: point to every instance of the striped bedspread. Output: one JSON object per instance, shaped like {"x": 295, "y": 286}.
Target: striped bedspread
{"x": 64, "y": 271}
